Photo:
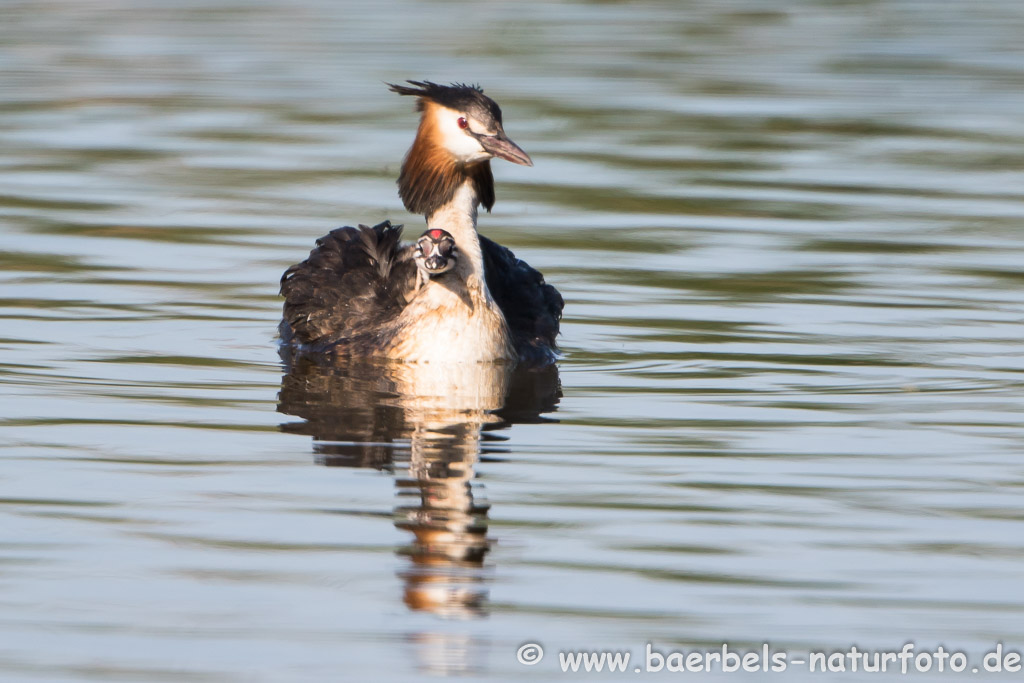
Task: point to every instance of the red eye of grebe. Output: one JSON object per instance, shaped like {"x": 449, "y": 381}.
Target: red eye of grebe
{"x": 463, "y": 123}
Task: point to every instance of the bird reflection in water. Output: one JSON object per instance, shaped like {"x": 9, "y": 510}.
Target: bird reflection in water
{"x": 429, "y": 424}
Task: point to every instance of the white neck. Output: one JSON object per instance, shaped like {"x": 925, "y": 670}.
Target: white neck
{"x": 459, "y": 218}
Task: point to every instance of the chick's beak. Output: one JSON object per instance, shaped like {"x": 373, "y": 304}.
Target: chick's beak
{"x": 500, "y": 146}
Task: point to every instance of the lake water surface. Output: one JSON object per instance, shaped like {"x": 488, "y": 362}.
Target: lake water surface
{"x": 789, "y": 408}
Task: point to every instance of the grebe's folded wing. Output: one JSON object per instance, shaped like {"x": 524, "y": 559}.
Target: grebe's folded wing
{"x": 354, "y": 281}
{"x": 531, "y": 307}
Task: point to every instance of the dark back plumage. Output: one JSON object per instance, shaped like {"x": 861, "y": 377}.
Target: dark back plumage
{"x": 532, "y": 308}
{"x": 354, "y": 282}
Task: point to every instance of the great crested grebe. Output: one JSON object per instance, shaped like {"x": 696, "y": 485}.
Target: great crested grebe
{"x": 363, "y": 293}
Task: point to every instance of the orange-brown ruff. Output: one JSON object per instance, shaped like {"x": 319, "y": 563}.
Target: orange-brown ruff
{"x": 359, "y": 293}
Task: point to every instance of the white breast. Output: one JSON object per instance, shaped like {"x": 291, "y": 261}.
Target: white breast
{"x": 442, "y": 325}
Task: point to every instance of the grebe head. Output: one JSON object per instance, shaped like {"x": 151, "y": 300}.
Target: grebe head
{"x": 465, "y": 122}
{"x": 435, "y": 252}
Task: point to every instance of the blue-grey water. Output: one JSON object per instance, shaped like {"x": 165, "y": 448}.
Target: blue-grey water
{"x": 789, "y": 410}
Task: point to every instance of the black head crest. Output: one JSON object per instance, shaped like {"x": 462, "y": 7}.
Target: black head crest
{"x": 458, "y": 96}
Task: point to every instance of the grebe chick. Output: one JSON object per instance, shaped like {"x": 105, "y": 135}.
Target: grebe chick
{"x": 435, "y": 252}
{"x": 361, "y": 293}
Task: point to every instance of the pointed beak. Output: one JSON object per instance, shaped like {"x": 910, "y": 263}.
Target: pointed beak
{"x": 500, "y": 146}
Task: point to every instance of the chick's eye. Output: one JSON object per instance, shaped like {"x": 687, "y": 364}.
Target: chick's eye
{"x": 463, "y": 123}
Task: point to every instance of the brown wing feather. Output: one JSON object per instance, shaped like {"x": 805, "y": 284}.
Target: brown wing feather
{"x": 531, "y": 307}
{"x": 354, "y": 281}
